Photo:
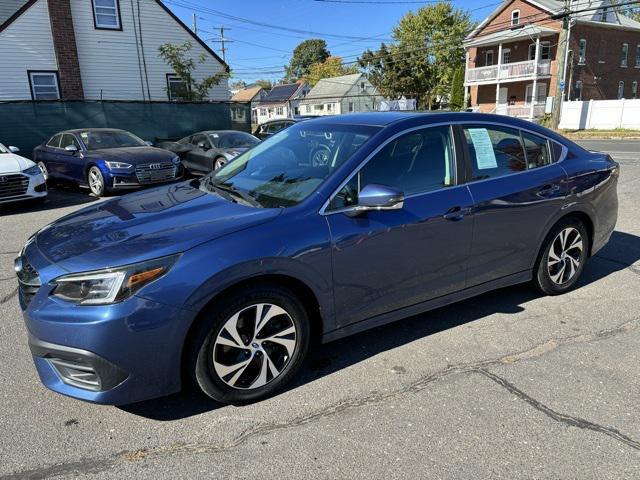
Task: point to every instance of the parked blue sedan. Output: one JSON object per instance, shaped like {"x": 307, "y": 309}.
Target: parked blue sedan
{"x": 105, "y": 160}
{"x": 225, "y": 280}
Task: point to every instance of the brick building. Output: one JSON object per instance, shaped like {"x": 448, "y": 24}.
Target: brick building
{"x": 512, "y": 56}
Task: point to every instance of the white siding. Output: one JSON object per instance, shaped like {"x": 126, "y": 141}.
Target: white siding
{"x": 26, "y": 44}
{"x": 109, "y": 62}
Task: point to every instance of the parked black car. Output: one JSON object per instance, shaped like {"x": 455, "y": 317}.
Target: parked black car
{"x": 266, "y": 129}
{"x": 105, "y": 159}
{"x": 203, "y": 152}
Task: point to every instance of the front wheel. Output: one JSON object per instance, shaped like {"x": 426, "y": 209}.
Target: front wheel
{"x": 43, "y": 169}
{"x": 563, "y": 257}
{"x": 219, "y": 162}
{"x": 250, "y": 344}
{"x": 96, "y": 181}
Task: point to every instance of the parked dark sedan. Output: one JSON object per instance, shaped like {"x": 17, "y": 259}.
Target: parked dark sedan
{"x": 203, "y": 152}
{"x": 228, "y": 278}
{"x": 105, "y": 160}
{"x": 271, "y": 127}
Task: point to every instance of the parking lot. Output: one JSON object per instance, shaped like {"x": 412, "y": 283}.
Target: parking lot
{"x": 506, "y": 385}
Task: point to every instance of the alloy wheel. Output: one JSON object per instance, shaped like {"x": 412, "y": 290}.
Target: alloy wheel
{"x": 43, "y": 169}
{"x": 96, "y": 182}
{"x": 219, "y": 163}
{"x": 565, "y": 255}
{"x": 254, "y": 346}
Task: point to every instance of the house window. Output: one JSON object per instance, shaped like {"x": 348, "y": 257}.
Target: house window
{"x": 351, "y": 107}
{"x": 625, "y": 55}
{"x": 604, "y": 14}
{"x": 620, "y": 90}
{"x": 638, "y": 56}
{"x": 318, "y": 107}
{"x": 176, "y": 88}
{"x": 44, "y": 85}
{"x": 489, "y": 58}
{"x": 279, "y": 110}
{"x": 329, "y": 107}
{"x": 578, "y": 90}
{"x": 106, "y": 14}
{"x": 515, "y": 17}
{"x": 582, "y": 51}
{"x": 363, "y": 87}
{"x": 634, "y": 89}
{"x": 540, "y": 98}
{"x": 307, "y": 108}
{"x": 263, "y": 112}
{"x": 545, "y": 51}
{"x": 506, "y": 55}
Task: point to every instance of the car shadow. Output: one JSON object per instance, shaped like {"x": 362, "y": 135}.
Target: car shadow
{"x": 622, "y": 251}
{"x": 60, "y": 196}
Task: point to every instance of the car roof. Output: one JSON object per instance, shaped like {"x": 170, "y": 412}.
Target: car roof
{"x": 78, "y": 130}
{"x": 209, "y": 132}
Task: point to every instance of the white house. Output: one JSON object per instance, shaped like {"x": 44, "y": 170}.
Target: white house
{"x": 282, "y": 101}
{"x": 95, "y": 49}
{"x": 336, "y": 95}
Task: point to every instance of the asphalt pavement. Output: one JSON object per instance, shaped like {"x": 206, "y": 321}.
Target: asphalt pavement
{"x": 508, "y": 385}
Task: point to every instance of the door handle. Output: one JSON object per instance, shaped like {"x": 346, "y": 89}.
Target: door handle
{"x": 455, "y": 213}
{"x": 548, "y": 190}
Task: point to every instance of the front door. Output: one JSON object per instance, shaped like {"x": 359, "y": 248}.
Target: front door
{"x": 516, "y": 189}
{"x": 198, "y": 159}
{"x": 387, "y": 260}
{"x": 503, "y": 100}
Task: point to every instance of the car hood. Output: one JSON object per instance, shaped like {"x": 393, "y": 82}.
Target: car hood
{"x": 12, "y": 163}
{"x": 133, "y": 155}
{"x": 144, "y": 225}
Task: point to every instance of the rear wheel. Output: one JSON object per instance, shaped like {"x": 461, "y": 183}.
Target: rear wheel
{"x": 250, "y": 344}
{"x": 563, "y": 257}
{"x": 95, "y": 179}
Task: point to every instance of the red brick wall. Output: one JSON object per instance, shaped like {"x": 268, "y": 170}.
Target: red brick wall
{"x": 64, "y": 42}
{"x": 602, "y": 71}
{"x": 503, "y": 19}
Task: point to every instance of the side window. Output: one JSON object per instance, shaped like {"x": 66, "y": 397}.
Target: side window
{"x": 68, "y": 139}
{"x": 537, "y": 150}
{"x": 494, "y": 151}
{"x": 198, "y": 139}
{"x": 55, "y": 141}
{"x": 417, "y": 162}
{"x": 556, "y": 151}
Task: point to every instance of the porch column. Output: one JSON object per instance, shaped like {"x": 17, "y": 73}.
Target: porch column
{"x": 534, "y": 95}
{"x": 498, "y": 76}
{"x": 466, "y": 97}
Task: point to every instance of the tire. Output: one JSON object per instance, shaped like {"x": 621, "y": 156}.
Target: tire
{"x": 562, "y": 258}
{"x": 214, "y": 353}
{"x": 219, "y": 162}
{"x": 45, "y": 172}
{"x": 95, "y": 180}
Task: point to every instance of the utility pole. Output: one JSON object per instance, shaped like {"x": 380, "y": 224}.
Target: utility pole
{"x": 194, "y": 24}
{"x": 222, "y": 41}
{"x": 563, "y": 43}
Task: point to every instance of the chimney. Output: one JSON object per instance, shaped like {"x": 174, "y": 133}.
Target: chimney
{"x": 64, "y": 42}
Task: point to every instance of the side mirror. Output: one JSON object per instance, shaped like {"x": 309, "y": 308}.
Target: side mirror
{"x": 13, "y": 149}
{"x": 202, "y": 146}
{"x": 379, "y": 197}
{"x": 71, "y": 149}
{"x": 148, "y": 142}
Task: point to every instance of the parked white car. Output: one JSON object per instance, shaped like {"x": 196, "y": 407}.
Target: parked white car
{"x": 20, "y": 178}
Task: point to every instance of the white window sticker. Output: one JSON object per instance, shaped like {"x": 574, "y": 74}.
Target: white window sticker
{"x": 485, "y": 156}
{"x": 215, "y": 135}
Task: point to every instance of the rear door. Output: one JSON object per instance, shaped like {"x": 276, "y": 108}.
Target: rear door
{"x": 388, "y": 260}
{"x": 516, "y": 188}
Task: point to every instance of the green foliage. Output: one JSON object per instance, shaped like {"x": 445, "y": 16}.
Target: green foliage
{"x": 456, "y": 99}
{"x": 331, "y": 67}
{"x": 266, "y": 84}
{"x": 427, "y": 52}
{"x": 304, "y": 55}
{"x": 183, "y": 64}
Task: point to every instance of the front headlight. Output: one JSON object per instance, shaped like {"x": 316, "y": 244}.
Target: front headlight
{"x": 175, "y": 160}
{"x": 103, "y": 287}
{"x": 120, "y": 165}
{"x": 33, "y": 171}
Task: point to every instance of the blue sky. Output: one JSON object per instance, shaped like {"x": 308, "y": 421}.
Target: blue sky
{"x": 260, "y": 52}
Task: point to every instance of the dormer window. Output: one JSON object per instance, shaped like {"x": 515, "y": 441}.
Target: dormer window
{"x": 604, "y": 14}
{"x": 106, "y": 14}
{"x": 515, "y": 18}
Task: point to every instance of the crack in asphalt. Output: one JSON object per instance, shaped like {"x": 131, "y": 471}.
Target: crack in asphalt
{"x": 566, "y": 419}
{"x": 95, "y": 465}
{"x": 9, "y": 296}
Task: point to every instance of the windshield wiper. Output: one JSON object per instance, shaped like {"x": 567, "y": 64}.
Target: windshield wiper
{"x": 229, "y": 191}
{"x": 207, "y": 183}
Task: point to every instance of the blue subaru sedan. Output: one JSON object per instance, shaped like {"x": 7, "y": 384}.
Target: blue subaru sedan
{"x": 224, "y": 281}
{"x": 105, "y": 160}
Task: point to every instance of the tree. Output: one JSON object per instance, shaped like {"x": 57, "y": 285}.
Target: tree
{"x": 266, "y": 84}
{"x": 331, "y": 67}
{"x": 237, "y": 85}
{"x": 304, "y": 55}
{"x": 456, "y": 100}
{"x": 184, "y": 65}
{"x": 427, "y": 52}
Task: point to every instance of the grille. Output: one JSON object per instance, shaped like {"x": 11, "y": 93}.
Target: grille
{"x": 28, "y": 281}
{"x": 13, "y": 185}
{"x": 155, "y": 172}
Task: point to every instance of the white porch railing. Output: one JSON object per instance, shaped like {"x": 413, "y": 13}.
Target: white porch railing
{"x": 523, "y": 111}
{"x": 508, "y": 71}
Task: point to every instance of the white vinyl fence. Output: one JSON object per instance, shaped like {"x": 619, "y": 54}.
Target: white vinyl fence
{"x": 601, "y": 115}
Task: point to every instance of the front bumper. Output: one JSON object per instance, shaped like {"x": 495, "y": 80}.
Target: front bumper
{"x": 20, "y": 186}
{"x": 123, "y": 179}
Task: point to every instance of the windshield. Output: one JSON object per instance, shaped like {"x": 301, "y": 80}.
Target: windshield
{"x": 234, "y": 140}
{"x": 285, "y": 169}
{"x": 3, "y": 149}
{"x": 98, "y": 140}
